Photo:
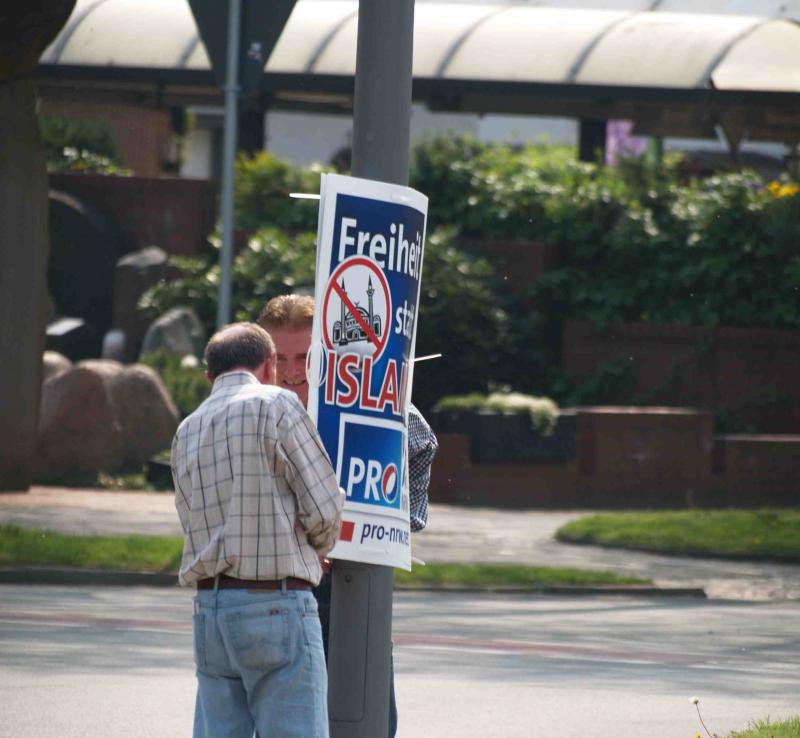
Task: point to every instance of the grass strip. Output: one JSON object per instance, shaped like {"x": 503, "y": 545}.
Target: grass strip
{"x": 31, "y": 547}
{"x": 789, "y": 728}
{"x": 507, "y": 575}
{"x": 769, "y": 534}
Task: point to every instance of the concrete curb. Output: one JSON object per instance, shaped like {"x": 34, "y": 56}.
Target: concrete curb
{"x": 101, "y": 577}
{"x": 623, "y": 590}
{"x": 87, "y": 577}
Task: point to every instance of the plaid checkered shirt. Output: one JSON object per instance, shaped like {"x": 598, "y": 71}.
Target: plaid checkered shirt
{"x": 422, "y": 447}
{"x": 254, "y": 488}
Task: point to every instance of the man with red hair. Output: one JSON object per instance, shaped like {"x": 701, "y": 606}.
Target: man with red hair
{"x": 289, "y": 318}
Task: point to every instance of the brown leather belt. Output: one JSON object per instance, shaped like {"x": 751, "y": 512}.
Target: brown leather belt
{"x": 226, "y": 582}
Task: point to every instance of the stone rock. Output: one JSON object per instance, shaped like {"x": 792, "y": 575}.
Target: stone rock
{"x": 134, "y": 274}
{"x": 145, "y": 411}
{"x": 178, "y": 332}
{"x": 54, "y": 363}
{"x": 142, "y": 406}
{"x": 102, "y": 416}
{"x": 114, "y": 344}
{"x": 78, "y": 429}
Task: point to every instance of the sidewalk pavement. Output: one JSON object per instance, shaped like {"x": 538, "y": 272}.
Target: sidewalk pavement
{"x": 454, "y": 534}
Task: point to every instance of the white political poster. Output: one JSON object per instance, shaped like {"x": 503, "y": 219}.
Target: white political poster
{"x": 370, "y": 251}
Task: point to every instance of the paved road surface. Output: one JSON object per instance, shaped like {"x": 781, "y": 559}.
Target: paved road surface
{"x": 116, "y": 663}
{"x": 453, "y": 534}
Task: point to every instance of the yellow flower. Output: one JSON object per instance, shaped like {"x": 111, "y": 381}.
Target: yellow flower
{"x": 776, "y": 189}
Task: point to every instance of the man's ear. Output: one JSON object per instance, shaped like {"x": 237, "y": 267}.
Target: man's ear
{"x": 271, "y": 369}
{"x": 265, "y": 373}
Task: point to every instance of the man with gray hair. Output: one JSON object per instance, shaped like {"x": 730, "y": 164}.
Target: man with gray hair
{"x": 259, "y": 505}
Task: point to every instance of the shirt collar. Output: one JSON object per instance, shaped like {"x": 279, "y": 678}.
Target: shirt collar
{"x": 235, "y": 378}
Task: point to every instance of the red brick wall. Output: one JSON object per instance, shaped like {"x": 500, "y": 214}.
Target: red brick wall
{"x": 752, "y": 372}
{"x": 173, "y": 213}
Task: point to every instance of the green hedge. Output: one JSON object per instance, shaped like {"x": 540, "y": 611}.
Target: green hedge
{"x": 636, "y": 243}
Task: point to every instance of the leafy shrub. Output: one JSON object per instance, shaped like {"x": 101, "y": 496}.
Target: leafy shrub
{"x": 80, "y": 146}
{"x": 272, "y": 263}
{"x": 542, "y": 411}
{"x": 186, "y": 384}
{"x": 263, "y": 184}
{"x": 470, "y": 403}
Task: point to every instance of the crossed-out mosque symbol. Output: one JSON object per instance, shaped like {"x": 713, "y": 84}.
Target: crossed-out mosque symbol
{"x": 348, "y": 329}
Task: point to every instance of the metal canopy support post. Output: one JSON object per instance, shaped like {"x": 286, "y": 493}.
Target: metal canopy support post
{"x": 359, "y": 649}
{"x": 592, "y": 140}
{"x": 228, "y": 161}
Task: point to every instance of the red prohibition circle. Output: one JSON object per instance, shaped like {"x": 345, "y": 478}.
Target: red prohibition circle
{"x": 332, "y": 287}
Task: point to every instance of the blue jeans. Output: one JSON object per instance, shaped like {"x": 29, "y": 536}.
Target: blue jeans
{"x": 260, "y": 665}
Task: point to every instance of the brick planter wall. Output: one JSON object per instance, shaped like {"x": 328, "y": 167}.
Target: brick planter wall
{"x": 764, "y": 466}
{"x": 629, "y": 458}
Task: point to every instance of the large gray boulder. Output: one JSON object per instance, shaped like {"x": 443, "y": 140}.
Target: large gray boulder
{"x": 54, "y": 363}
{"x": 78, "y": 428}
{"x": 142, "y": 406}
{"x": 134, "y": 274}
{"x": 102, "y": 416}
{"x": 178, "y": 332}
{"x": 145, "y": 411}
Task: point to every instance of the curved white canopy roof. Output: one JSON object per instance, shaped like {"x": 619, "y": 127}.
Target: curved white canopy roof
{"x": 648, "y": 43}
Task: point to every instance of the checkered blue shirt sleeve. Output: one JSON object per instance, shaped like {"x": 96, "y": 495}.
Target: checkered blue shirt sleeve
{"x": 422, "y": 447}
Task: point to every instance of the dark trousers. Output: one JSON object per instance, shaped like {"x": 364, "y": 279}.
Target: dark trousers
{"x": 323, "y": 594}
